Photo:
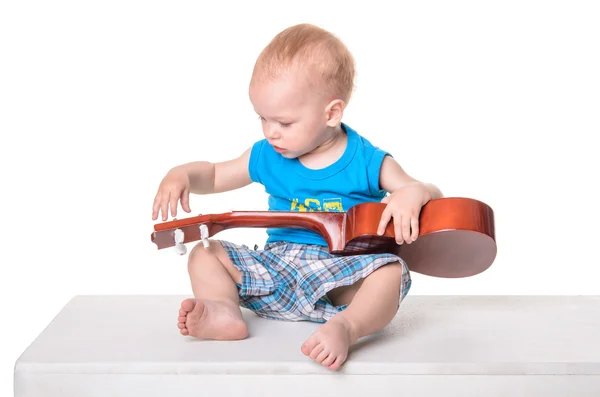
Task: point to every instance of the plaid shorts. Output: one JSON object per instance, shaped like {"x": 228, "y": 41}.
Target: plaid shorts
{"x": 288, "y": 281}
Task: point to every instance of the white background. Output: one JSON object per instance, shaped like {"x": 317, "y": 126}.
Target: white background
{"x": 498, "y": 101}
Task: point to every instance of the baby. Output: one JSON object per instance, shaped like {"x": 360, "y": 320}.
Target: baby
{"x": 309, "y": 161}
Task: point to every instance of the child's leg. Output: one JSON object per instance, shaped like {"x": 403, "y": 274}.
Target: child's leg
{"x": 215, "y": 313}
{"x": 374, "y": 303}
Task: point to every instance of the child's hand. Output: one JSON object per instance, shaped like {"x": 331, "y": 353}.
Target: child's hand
{"x": 404, "y": 205}
{"x": 174, "y": 186}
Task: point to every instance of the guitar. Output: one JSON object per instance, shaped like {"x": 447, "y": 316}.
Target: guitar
{"x": 456, "y": 235}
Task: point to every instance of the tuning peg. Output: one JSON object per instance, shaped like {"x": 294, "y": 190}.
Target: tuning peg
{"x": 179, "y": 246}
{"x": 204, "y": 235}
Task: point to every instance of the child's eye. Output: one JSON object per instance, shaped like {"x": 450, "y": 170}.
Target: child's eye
{"x": 284, "y": 125}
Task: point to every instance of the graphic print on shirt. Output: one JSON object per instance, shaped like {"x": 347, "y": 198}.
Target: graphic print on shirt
{"x": 313, "y": 205}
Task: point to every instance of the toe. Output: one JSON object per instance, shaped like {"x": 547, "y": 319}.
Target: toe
{"x": 182, "y": 319}
{"x": 316, "y": 351}
{"x": 304, "y": 349}
{"x": 337, "y": 363}
{"x": 181, "y": 325}
{"x": 309, "y": 345}
{"x": 329, "y": 360}
{"x": 188, "y": 305}
{"x": 184, "y": 331}
{"x": 322, "y": 356}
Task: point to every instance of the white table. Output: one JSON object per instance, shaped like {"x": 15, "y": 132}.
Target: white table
{"x": 436, "y": 346}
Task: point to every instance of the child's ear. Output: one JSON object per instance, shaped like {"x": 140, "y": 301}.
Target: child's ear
{"x": 334, "y": 112}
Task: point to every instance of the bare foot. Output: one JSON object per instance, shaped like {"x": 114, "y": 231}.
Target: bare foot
{"x": 211, "y": 320}
{"x": 329, "y": 344}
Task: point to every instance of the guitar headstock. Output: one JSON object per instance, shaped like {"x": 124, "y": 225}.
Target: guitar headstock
{"x": 177, "y": 233}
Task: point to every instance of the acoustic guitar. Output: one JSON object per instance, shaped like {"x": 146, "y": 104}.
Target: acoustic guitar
{"x": 456, "y": 235}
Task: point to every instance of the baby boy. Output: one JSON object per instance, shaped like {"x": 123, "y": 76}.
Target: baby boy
{"x": 309, "y": 160}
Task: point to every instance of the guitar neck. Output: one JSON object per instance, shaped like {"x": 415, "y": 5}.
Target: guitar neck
{"x": 328, "y": 224}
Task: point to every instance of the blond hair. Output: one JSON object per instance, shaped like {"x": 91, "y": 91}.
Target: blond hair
{"x": 328, "y": 64}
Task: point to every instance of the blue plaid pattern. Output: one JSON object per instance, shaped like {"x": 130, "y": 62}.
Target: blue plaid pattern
{"x": 289, "y": 281}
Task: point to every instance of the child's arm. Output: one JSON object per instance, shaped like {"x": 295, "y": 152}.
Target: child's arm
{"x": 199, "y": 177}
{"x": 393, "y": 178}
{"x": 209, "y": 178}
{"x": 407, "y": 196}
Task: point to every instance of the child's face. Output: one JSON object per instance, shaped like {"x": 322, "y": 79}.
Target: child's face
{"x": 294, "y": 118}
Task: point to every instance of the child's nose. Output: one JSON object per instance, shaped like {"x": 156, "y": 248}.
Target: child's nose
{"x": 271, "y": 131}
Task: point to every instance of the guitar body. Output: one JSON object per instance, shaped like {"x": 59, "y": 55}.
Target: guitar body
{"x": 456, "y": 235}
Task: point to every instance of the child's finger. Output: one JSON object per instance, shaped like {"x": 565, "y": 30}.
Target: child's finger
{"x": 406, "y": 228}
{"x": 185, "y": 200}
{"x": 414, "y": 224}
{"x": 173, "y": 202}
{"x": 385, "y": 219}
{"x": 164, "y": 206}
{"x": 398, "y": 228}
{"x": 156, "y": 206}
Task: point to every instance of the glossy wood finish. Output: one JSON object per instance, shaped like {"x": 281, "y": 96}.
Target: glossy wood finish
{"x": 456, "y": 235}
{"x": 327, "y": 224}
{"x": 457, "y": 239}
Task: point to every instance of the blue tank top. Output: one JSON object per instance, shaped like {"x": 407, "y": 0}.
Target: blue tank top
{"x": 352, "y": 179}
